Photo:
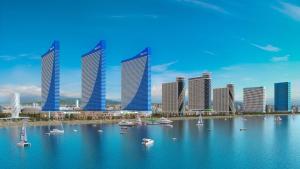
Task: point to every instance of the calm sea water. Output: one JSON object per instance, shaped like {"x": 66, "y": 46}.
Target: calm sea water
{"x": 218, "y": 144}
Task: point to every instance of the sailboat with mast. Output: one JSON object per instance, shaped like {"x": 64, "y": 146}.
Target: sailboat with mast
{"x": 23, "y": 137}
{"x": 58, "y": 131}
{"x": 200, "y": 121}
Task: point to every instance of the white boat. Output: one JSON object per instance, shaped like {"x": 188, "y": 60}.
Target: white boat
{"x": 147, "y": 141}
{"x": 100, "y": 131}
{"x": 126, "y": 123}
{"x": 23, "y": 138}
{"x": 58, "y": 131}
{"x": 164, "y": 120}
{"x": 200, "y": 121}
{"x": 277, "y": 118}
{"x": 75, "y": 130}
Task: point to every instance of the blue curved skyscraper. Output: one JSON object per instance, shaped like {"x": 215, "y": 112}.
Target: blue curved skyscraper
{"x": 50, "y": 78}
{"x": 136, "y": 83}
{"x": 93, "y": 79}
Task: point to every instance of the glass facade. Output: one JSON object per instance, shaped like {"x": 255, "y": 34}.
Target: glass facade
{"x": 136, "y": 82}
{"x": 93, "y": 79}
{"x": 50, "y": 78}
{"x": 282, "y": 98}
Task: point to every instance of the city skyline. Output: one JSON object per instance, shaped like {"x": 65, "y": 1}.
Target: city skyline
{"x": 246, "y": 55}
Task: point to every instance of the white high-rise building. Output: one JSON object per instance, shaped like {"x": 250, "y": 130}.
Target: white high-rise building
{"x": 254, "y": 99}
{"x": 15, "y": 105}
{"x": 223, "y": 100}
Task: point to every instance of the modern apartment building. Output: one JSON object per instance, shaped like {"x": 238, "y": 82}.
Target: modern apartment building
{"x": 50, "y": 78}
{"x": 136, "y": 83}
{"x": 200, "y": 92}
{"x": 223, "y": 100}
{"x": 93, "y": 79}
{"x": 282, "y": 97}
{"x": 173, "y": 96}
{"x": 254, "y": 99}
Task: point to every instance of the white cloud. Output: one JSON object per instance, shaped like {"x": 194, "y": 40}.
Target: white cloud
{"x": 206, "y": 5}
{"x": 209, "y": 53}
{"x": 269, "y": 47}
{"x": 28, "y": 90}
{"x": 289, "y": 9}
{"x": 19, "y": 56}
{"x": 280, "y": 58}
{"x": 162, "y": 67}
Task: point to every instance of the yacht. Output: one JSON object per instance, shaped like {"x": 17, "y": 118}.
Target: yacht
{"x": 147, "y": 141}
{"x": 200, "y": 121}
{"x": 164, "y": 120}
{"x": 126, "y": 123}
{"x": 23, "y": 138}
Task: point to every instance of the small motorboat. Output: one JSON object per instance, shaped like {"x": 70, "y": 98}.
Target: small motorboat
{"x": 243, "y": 129}
{"x": 164, "y": 120}
{"x": 147, "y": 141}
{"x": 75, "y": 130}
{"x": 174, "y": 138}
{"x": 23, "y": 138}
{"x": 100, "y": 131}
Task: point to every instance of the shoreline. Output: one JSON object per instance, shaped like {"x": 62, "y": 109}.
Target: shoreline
{"x": 9, "y": 123}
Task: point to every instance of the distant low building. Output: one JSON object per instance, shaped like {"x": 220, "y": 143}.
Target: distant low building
{"x": 269, "y": 108}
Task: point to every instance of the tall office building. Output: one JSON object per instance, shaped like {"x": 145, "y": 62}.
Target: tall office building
{"x": 93, "y": 79}
{"x": 173, "y": 96}
{"x": 50, "y": 78}
{"x": 254, "y": 99}
{"x": 136, "y": 83}
{"x": 200, "y": 92}
{"x": 223, "y": 100}
{"x": 282, "y": 97}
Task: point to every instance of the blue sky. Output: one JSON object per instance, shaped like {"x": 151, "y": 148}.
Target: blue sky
{"x": 248, "y": 43}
